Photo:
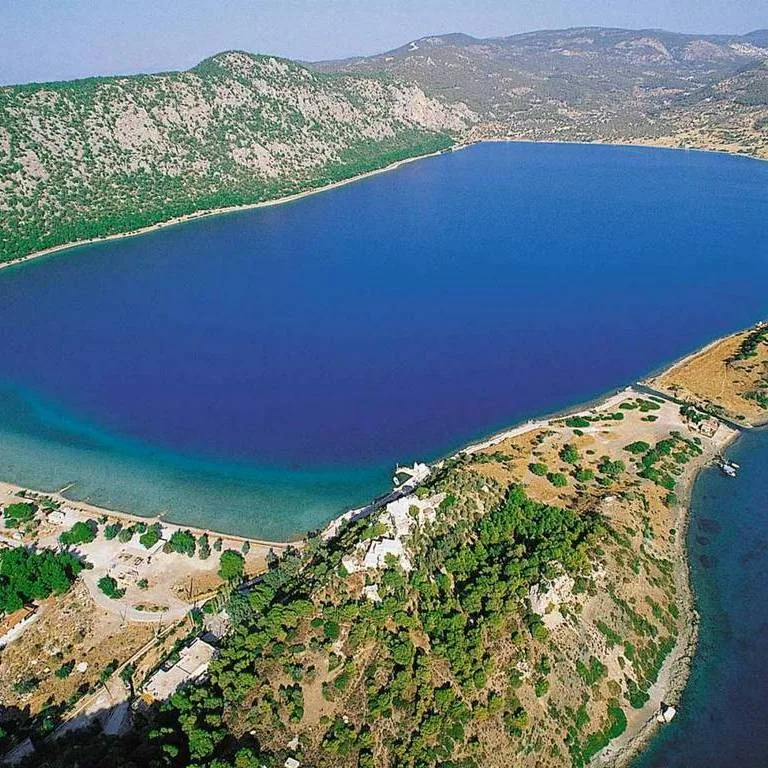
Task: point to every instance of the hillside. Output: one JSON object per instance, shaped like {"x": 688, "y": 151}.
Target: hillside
{"x": 524, "y": 602}
{"x": 591, "y": 84}
{"x": 94, "y": 157}
{"x": 102, "y": 156}
{"x": 527, "y": 604}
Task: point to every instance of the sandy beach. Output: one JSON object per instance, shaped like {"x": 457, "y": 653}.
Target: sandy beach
{"x": 84, "y": 511}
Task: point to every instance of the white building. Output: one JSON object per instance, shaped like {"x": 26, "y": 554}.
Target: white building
{"x": 192, "y": 664}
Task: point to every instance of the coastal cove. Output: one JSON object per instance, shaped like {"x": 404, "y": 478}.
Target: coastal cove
{"x": 299, "y": 380}
{"x": 722, "y": 708}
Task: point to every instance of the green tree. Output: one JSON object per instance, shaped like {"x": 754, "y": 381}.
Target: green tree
{"x": 203, "y": 547}
{"x": 151, "y": 536}
{"x": 109, "y": 587}
{"x": 231, "y": 565}
{"x": 26, "y": 576}
{"x": 182, "y": 542}
{"x": 80, "y": 533}
{"x": 18, "y": 513}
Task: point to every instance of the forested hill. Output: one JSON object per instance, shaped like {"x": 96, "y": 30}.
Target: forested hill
{"x": 93, "y": 157}
{"x": 100, "y": 156}
{"x": 593, "y": 83}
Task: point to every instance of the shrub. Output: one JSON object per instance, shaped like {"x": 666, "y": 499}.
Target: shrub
{"x": 20, "y": 512}
{"x": 151, "y": 536}
{"x": 610, "y": 468}
{"x": 557, "y": 479}
{"x": 126, "y": 534}
{"x": 538, "y": 469}
{"x": 569, "y": 454}
{"x": 111, "y": 531}
{"x": 109, "y": 587}
{"x": 331, "y": 629}
{"x": 592, "y": 673}
{"x": 65, "y": 670}
{"x": 27, "y": 685}
{"x": 182, "y": 542}
{"x": 640, "y": 446}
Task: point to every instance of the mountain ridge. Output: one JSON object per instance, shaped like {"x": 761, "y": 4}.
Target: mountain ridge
{"x": 593, "y": 84}
{"x": 90, "y": 158}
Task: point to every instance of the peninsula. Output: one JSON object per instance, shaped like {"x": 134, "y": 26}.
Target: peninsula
{"x": 524, "y": 601}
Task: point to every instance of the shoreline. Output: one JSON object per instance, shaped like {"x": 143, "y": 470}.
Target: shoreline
{"x": 210, "y": 212}
{"x": 639, "y": 144}
{"x": 455, "y": 147}
{"x": 675, "y": 671}
{"x": 676, "y": 668}
{"x": 87, "y": 510}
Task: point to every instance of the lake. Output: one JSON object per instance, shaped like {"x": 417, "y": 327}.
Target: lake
{"x": 262, "y": 371}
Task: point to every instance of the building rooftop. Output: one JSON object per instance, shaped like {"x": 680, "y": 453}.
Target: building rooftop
{"x": 193, "y": 663}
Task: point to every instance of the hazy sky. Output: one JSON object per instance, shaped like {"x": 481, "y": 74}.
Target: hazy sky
{"x": 61, "y": 39}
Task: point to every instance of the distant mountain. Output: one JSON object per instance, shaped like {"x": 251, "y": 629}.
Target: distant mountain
{"x": 106, "y": 155}
{"x": 588, "y": 83}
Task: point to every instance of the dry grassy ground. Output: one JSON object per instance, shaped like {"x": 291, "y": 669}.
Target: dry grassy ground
{"x": 714, "y": 379}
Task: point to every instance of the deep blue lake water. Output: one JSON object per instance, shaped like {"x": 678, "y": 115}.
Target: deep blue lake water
{"x": 721, "y": 722}
{"x": 262, "y": 371}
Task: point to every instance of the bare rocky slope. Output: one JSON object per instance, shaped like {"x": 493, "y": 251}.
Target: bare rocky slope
{"x": 94, "y": 157}
{"x": 589, "y": 84}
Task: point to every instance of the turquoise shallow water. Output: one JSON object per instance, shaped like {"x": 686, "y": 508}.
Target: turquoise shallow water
{"x": 42, "y": 449}
{"x": 263, "y": 371}
{"x": 722, "y": 717}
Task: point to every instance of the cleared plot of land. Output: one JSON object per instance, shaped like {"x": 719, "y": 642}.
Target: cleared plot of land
{"x": 61, "y": 654}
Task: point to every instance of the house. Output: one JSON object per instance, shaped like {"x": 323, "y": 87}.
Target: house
{"x": 192, "y": 664}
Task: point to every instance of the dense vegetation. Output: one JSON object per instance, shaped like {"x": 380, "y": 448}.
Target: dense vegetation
{"x": 748, "y": 347}
{"x": 447, "y": 651}
{"x": 19, "y": 513}
{"x": 467, "y": 591}
{"x": 80, "y": 533}
{"x": 26, "y": 576}
{"x": 101, "y": 156}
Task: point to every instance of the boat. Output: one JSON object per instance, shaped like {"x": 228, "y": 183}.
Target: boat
{"x": 727, "y": 467}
